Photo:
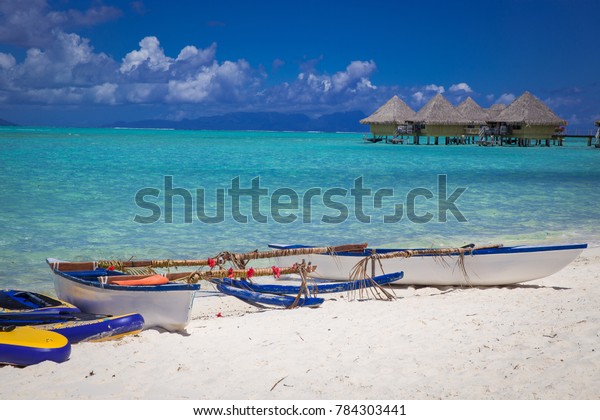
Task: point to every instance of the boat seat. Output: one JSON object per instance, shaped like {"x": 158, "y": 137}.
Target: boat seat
{"x": 138, "y": 280}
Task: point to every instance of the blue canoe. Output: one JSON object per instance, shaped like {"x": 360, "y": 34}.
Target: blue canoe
{"x": 267, "y": 299}
{"x": 312, "y": 288}
{"x": 22, "y": 308}
{"x": 24, "y": 346}
{"x": 23, "y": 302}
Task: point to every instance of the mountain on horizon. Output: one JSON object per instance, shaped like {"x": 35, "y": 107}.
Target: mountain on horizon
{"x": 260, "y": 121}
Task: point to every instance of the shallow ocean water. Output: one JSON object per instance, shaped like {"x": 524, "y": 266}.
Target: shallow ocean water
{"x": 71, "y": 194}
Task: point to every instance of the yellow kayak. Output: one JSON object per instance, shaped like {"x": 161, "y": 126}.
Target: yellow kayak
{"x": 24, "y": 346}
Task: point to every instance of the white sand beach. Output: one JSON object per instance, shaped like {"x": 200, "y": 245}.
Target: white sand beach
{"x": 538, "y": 340}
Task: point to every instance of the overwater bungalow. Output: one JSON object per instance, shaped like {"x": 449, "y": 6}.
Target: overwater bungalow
{"x": 476, "y": 115}
{"x": 385, "y": 121}
{"x": 473, "y": 112}
{"x": 439, "y": 118}
{"x": 526, "y": 119}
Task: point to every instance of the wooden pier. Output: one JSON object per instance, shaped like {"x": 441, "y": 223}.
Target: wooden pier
{"x": 589, "y": 137}
{"x": 555, "y": 140}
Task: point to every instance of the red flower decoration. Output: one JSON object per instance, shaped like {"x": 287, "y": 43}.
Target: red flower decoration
{"x": 230, "y": 272}
{"x": 276, "y": 272}
{"x": 219, "y": 315}
{"x": 111, "y": 268}
{"x": 211, "y": 262}
{"x": 250, "y": 273}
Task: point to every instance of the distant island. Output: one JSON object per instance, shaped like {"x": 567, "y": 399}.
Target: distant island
{"x": 264, "y": 121}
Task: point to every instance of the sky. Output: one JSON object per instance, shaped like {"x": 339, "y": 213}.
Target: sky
{"x": 94, "y": 62}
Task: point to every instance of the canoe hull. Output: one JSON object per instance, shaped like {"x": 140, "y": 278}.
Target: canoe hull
{"x": 491, "y": 267}
{"x": 268, "y": 299}
{"x": 313, "y": 289}
{"x": 100, "y": 329}
{"x": 164, "y": 306}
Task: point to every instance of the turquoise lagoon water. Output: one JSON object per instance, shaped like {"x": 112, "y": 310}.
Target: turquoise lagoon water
{"x": 70, "y": 194}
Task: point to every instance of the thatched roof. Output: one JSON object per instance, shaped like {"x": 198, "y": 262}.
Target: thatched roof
{"x": 495, "y": 110}
{"x": 473, "y": 112}
{"x": 394, "y": 111}
{"x": 438, "y": 111}
{"x": 527, "y": 109}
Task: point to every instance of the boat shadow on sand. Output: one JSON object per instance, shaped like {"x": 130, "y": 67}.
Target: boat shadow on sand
{"x": 449, "y": 289}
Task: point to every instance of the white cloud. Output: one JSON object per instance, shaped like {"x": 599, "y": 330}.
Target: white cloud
{"x": 232, "y": 73}
{"x": 423, "y": 94}
{"x": 419, "y": 97}
{"x": 461, "y": 87}
{"x": 150, "y": 54}
{"x": 69, "y": 69}
{"x": 69, "y": 61}
{"x": 314, "y": 92}
{"x": 192, "y": 90}
{"x": 505, "y": 98}
{"x": 227, "y": 81}
{"x": 365, "y": 84}
{"x": 52, "y": 96}
{"x": 7, "y": 61}
{"x": 435, "y": 88}
{"x": 105, "y": 93}
{"x": 31, "y": 23}
{"x": 195, "y": 56}
{"x": 355, "y": 72}
{"x": 143, "y": 93}
{"x": 319, "y": 88}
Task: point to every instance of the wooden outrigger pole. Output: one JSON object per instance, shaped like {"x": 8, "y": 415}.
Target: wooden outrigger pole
{"x": 239, "y": 258}
{"x": 195, "y": 276}
{"x": 407, "y": 253}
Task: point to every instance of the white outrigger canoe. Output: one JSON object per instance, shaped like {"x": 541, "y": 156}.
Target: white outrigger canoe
{"x": 92, "y": 290}
{"x": 485, "y": 266}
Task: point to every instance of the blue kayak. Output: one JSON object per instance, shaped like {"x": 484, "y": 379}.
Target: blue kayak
{"x": 312, "y": 288}
{"x": 267, "y": 299}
